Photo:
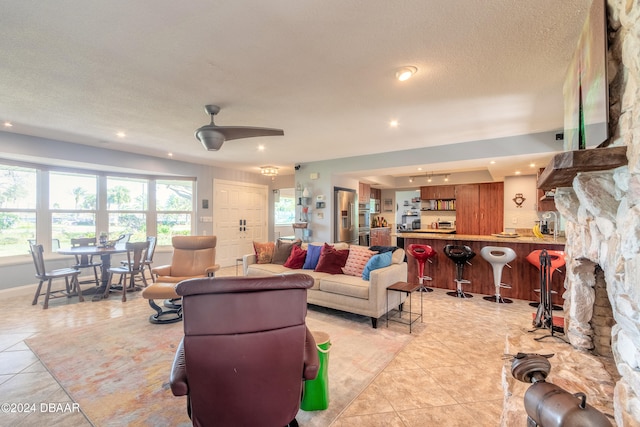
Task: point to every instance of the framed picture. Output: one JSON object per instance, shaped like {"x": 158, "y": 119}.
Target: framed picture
{"x": 387, "y": 205}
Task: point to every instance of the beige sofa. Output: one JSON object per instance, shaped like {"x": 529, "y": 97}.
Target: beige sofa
{"x": 344, "y": 292}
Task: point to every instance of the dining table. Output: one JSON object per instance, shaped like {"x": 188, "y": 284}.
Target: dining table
{"x": 105, "y": 254}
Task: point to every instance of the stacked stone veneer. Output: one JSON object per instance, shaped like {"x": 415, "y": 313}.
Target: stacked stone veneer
{"x": 602, "y": 212}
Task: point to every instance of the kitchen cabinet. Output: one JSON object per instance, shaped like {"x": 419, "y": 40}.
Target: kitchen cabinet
{"x": 438, "y": 192}
{"x": 480, "y": 208}
{"x": 364, "y": 192}
{"x": 375, "y": 193}
{"x": 380, "y": 236}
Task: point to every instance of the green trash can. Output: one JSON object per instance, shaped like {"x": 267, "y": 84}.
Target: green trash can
{"x": 316, "y": 392}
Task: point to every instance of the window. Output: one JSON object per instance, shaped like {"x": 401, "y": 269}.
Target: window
{"x": 52, "y": 207}
{"x": 127, "y": 200}
{"x": 73, "y": 203}
{"x": 17, "y": 209}
{"x": 285, "y": 207}
{"x": 174, "y": 207}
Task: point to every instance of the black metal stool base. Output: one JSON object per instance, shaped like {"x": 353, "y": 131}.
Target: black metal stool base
{"x": 555, "y": 307}
{"x": 425, "y": 289}
{"x": 459, "y": 294}
{"x": 497, "y": 299}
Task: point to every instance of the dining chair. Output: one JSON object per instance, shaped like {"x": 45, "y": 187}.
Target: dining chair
{"x": 70, "y": 276}
{"x": 149, "y": 258}
{"x": 86, "y": 261}
{"x": 136, "y": 255}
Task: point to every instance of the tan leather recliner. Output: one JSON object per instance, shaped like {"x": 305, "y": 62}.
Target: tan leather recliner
{"x": 193, "y": 257}
{"x": 246, "y": 350}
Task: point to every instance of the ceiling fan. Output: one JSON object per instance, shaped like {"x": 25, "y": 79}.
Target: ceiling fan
{"x": 212, "y": 136}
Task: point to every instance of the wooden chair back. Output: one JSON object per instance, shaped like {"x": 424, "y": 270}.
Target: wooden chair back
{"x": 38, "y": 261}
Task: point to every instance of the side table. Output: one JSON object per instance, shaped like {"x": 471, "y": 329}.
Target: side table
{"x": 409, "y": 289}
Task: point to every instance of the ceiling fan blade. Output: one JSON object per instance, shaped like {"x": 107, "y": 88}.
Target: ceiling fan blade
{"x": 238, "y": 132}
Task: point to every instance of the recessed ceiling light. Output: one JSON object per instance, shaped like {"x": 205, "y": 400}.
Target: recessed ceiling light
{"x": 170, "y": 154}
{"x": 8, "y": 124}
{"x": 419, "y": 169}
{"x": 493, "y": 162}
{"x": 410, "y": 179}
{"x": 393, "y": 123}
{"x": 121, "y": 134}
{"x": 260, "y": 147}
{"x": 446, "y": 178}
{"x": 517, "y": 172}
{"x": 532, "y": 165}
{"x": 405, "y": 73}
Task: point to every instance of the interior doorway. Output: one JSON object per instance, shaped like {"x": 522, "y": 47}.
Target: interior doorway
{"x": 240, "y": 217}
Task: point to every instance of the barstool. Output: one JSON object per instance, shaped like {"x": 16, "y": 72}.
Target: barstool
{"x": 557, "y": 261}
{"x": 422, "y": 254}
{"x": 460, "y": 255}
{"x": 498, "y": 257}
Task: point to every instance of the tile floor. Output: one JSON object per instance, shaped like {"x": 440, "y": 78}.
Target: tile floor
{"x": 450, "y": 374}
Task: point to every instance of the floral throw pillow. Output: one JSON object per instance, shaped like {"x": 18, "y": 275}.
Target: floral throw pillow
{"x": 264, "y": 252}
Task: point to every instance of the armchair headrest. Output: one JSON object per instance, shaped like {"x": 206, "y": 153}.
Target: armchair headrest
{"x": 194, "y": 242}
{"x": 225, "y": 285}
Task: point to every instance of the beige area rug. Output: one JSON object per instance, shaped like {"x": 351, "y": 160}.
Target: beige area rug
{"x": 117, "y": 370}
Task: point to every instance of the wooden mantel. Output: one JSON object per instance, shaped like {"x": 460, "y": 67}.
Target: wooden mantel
{"x": 565, "y": 166}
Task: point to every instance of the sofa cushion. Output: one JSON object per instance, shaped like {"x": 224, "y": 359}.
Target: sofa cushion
{"x": 297, "y": 257}
{"x": 377, "y": 261}
{"x": 345, "y": 285}
{"x": 358, "y": 257}
{"x": 313, "y": 255}
{"x": 332, "y": 260}
{"x": 264, "y": 252}
{"x": 283, "y": 250}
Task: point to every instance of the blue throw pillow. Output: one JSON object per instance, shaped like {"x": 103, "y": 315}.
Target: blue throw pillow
{"x": 313, "y": 255}
{"x": 375, "y": 262}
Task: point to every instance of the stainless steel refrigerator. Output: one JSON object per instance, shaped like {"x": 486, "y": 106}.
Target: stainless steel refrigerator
{"x": 346, "y": 215}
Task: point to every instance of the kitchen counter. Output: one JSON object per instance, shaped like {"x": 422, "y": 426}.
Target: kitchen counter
{"x": 429, "y": 230}
{"x": 419, "y": 234}
{"x": 523, "y": 277}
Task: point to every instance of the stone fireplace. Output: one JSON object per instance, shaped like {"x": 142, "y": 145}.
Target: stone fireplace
{"x": 602, "y": 213}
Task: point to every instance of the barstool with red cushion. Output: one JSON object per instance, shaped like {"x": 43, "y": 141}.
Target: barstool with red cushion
{"x": 460, "y": 255}
{"x": 422, "y": 254}
{"x": 557, "y": 261}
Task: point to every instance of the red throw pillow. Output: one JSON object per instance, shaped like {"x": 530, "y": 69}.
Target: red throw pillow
{"x": 331, "y": 260}
{"x": 296, "y": 259}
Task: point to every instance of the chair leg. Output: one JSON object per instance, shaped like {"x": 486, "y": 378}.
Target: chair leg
{"x": 46, "y": 296}
{"x": 37, "y": 295}
{"x": 107, "y": 288}
{"x": 95, "y": 274}
{"x": 74, "y": 279}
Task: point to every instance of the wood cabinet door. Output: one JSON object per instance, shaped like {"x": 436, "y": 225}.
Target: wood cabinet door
{"x": 491, "y": 208}
{"x": 425, "y": 193}
{"x": 446, "y": 192}
{"x": 364, "y": 192}
{"x": 467, "y": 209}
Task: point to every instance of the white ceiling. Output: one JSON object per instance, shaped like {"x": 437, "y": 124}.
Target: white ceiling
{"x": 323, "y": 71}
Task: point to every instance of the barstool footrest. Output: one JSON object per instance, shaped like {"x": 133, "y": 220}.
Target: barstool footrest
{"x": 497, "y": 299}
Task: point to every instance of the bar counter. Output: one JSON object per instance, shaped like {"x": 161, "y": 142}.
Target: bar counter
{"x": 523, "y": 277}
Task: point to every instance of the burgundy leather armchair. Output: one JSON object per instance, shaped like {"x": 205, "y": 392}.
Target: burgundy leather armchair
{"x": 246, "y": 350}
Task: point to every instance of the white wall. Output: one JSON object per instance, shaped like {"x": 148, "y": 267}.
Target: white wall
{"x": 525, "y": 216}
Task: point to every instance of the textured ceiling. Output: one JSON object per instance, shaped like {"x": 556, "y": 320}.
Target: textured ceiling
{"x": 81, "y": 71}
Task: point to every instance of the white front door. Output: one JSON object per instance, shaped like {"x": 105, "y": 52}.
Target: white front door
{"x": 240, "y": 218}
